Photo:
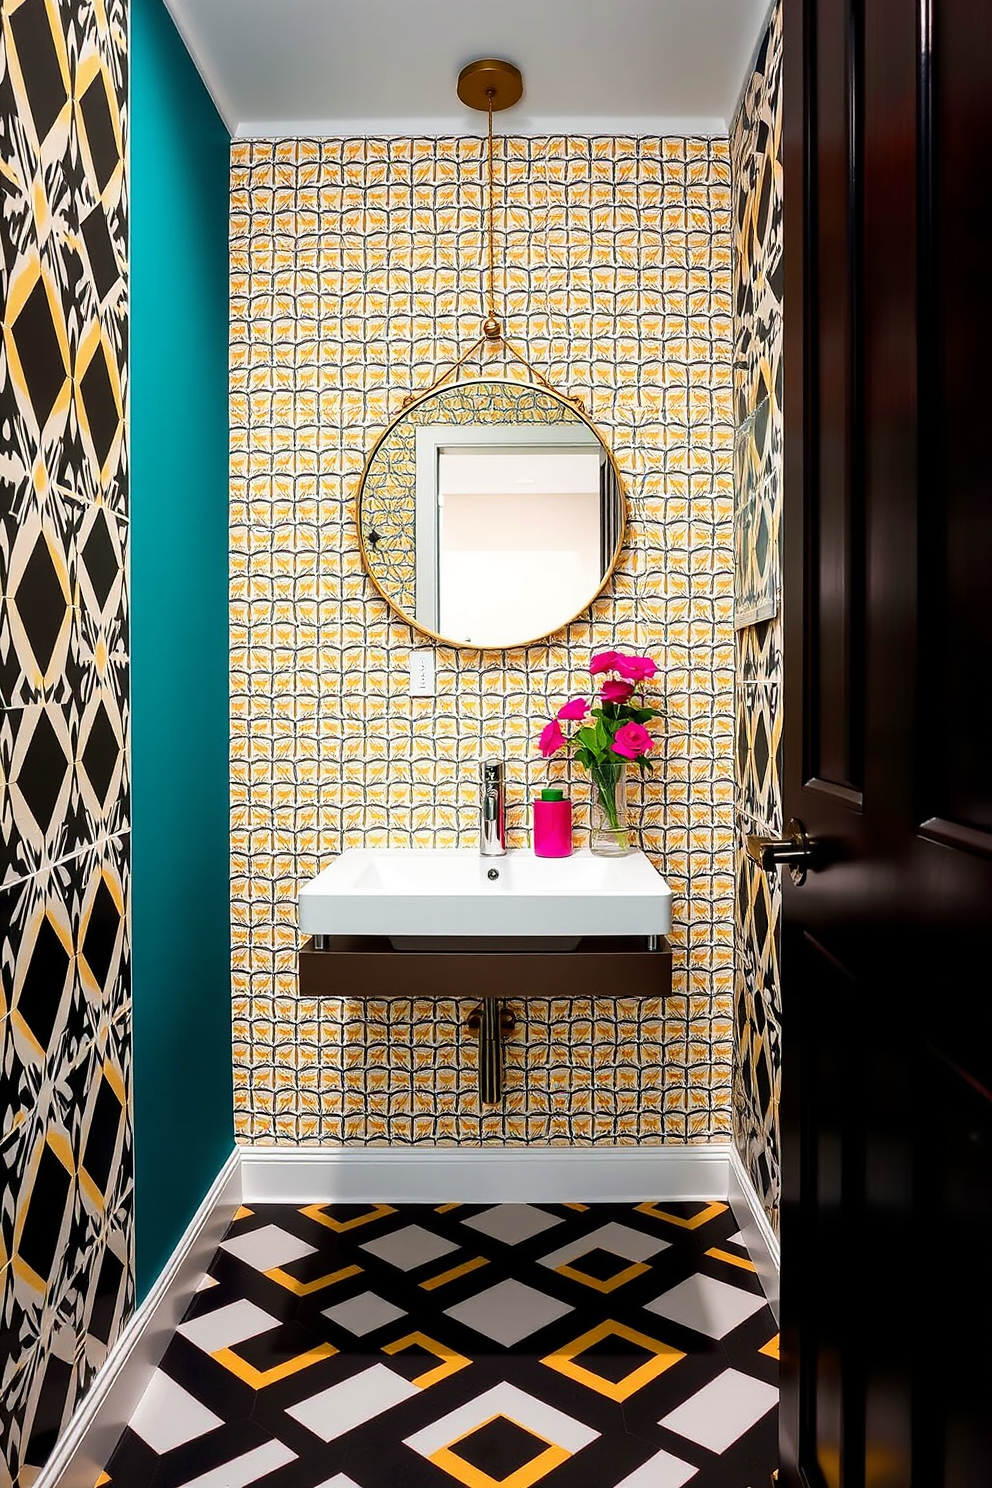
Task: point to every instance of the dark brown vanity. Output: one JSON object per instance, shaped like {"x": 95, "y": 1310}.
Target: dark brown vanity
{"x": 358, "y": 967}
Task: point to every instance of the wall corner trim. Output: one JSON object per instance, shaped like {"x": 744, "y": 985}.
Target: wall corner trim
{"x": 208, "y": 74}
{"x": 759, "y": 1237}
{"x": 400, "y": 1175}
{"x": 81, "y": 1452}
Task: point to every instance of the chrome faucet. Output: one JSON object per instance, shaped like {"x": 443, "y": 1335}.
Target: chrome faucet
{"x": 492, "y": 816}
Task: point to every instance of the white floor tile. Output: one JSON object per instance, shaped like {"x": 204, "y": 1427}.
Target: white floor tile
{"x": 512, "y": 1223}
{"x": 270, "y": 1246}
{"x": 722, "y": 1410}
{"x": 363, "y": 1314}
{"x": 618, "y": 1239}
{"x": 241, "y": 1471}
{"x": 409, "y": 1248}
{"x": 504, "y": 1400}
{"x": 339, "y": 1481}
{"x": 508, "y": 1312}
{"x": 353, "y": 1402}
{"x": 168, "y": 1416}
{"x": 660, "y": 1471}
{"x": 707, "y": 1305}
{"x": 226, "y": 1326}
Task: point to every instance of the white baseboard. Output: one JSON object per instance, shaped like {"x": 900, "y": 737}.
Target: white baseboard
{"x": 481, "y": 1175}
{"x": 759, "y": 1237}
{"x": 82, "y": 1451}
{"x": 400, "y": 1175}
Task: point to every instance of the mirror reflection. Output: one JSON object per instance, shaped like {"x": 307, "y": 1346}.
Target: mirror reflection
{"x": 491, "y": 513}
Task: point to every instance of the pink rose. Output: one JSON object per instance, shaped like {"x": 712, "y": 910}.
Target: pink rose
{"x": 551, "y": 739}
{"x": 634, "y": 668}
{"x": 613, "y": 691}
{"x": 574, "y": 708}
{"x": 604, "y": 661}
{"x": 631, "y": 741}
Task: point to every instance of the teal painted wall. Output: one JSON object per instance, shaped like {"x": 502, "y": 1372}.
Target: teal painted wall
{"x": 180, "y": 162}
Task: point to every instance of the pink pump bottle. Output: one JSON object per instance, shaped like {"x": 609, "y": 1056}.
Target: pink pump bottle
{"x": 552, "y": 824}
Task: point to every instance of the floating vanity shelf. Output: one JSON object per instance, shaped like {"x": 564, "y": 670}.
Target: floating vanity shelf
{"x": 365, "y": 966}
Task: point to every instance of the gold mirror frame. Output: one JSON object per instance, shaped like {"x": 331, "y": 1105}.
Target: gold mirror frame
{"x": 574, "y": 406}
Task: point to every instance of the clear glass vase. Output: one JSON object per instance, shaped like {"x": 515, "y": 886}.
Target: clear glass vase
{"x": 609, "y": 835}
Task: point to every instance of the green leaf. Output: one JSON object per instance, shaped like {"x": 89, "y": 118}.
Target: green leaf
{"x": 588, "y": 739}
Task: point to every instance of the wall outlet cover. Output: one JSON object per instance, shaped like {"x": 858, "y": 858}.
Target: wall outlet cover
{"x": 422, "y": 672}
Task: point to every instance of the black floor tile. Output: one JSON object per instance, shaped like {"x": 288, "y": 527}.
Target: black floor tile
{"x": 366, "y": 1346}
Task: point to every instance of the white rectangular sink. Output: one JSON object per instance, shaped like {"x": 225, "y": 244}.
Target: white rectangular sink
{"x": 422, "y": 896}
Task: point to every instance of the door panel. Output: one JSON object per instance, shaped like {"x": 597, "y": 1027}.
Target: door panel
{"x": 956, "y": 323}
{"x": 834, "y": 688}
{"x": 887, "y": 526}
{"x": 820, "y": 1160}
{"x": 956, "y": 1169}
{"x": 952, "y": 805}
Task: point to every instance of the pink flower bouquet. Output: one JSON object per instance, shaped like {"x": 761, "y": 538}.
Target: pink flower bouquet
{"x": 611, "y": 734}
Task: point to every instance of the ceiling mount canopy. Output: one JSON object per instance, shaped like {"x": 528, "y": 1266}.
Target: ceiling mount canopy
{"x": 490, "y": 84}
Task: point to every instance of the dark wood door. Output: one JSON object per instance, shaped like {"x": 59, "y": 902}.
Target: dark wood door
{"x": 887, "y": 529}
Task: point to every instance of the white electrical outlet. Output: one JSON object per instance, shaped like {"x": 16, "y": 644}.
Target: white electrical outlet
{"x": 422, "y": 672}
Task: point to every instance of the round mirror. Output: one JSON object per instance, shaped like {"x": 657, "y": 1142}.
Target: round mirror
{"x": 491, "y": 513}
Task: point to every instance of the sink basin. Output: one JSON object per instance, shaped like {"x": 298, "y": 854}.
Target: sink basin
{"x": 424, "y": 897}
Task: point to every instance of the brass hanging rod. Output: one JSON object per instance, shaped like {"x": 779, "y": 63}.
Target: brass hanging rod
{"x": 489, "y": 85}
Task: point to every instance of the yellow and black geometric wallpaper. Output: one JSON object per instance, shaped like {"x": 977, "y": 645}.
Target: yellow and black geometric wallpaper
{"x": 65, "y": 1005}
{"x": 756, "y": 156}
{"x": 355, "y": 277}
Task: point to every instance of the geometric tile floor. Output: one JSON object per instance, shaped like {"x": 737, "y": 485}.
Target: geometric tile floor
{"x": 487, "y": 1346}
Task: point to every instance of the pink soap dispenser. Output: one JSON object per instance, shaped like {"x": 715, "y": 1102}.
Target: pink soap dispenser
{"x": 552, "y": 824}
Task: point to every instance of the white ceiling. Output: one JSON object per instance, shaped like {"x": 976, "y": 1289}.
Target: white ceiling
{"x": 298, "y": 67}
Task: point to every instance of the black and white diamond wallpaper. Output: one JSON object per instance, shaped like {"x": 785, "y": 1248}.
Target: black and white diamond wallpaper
{"x": 65, "y": 1006}
{"x": 756, "y": 161}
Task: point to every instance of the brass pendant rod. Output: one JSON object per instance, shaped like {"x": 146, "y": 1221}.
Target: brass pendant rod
{"x": 501, "y": 93}
{"x": 490, "y": 214}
